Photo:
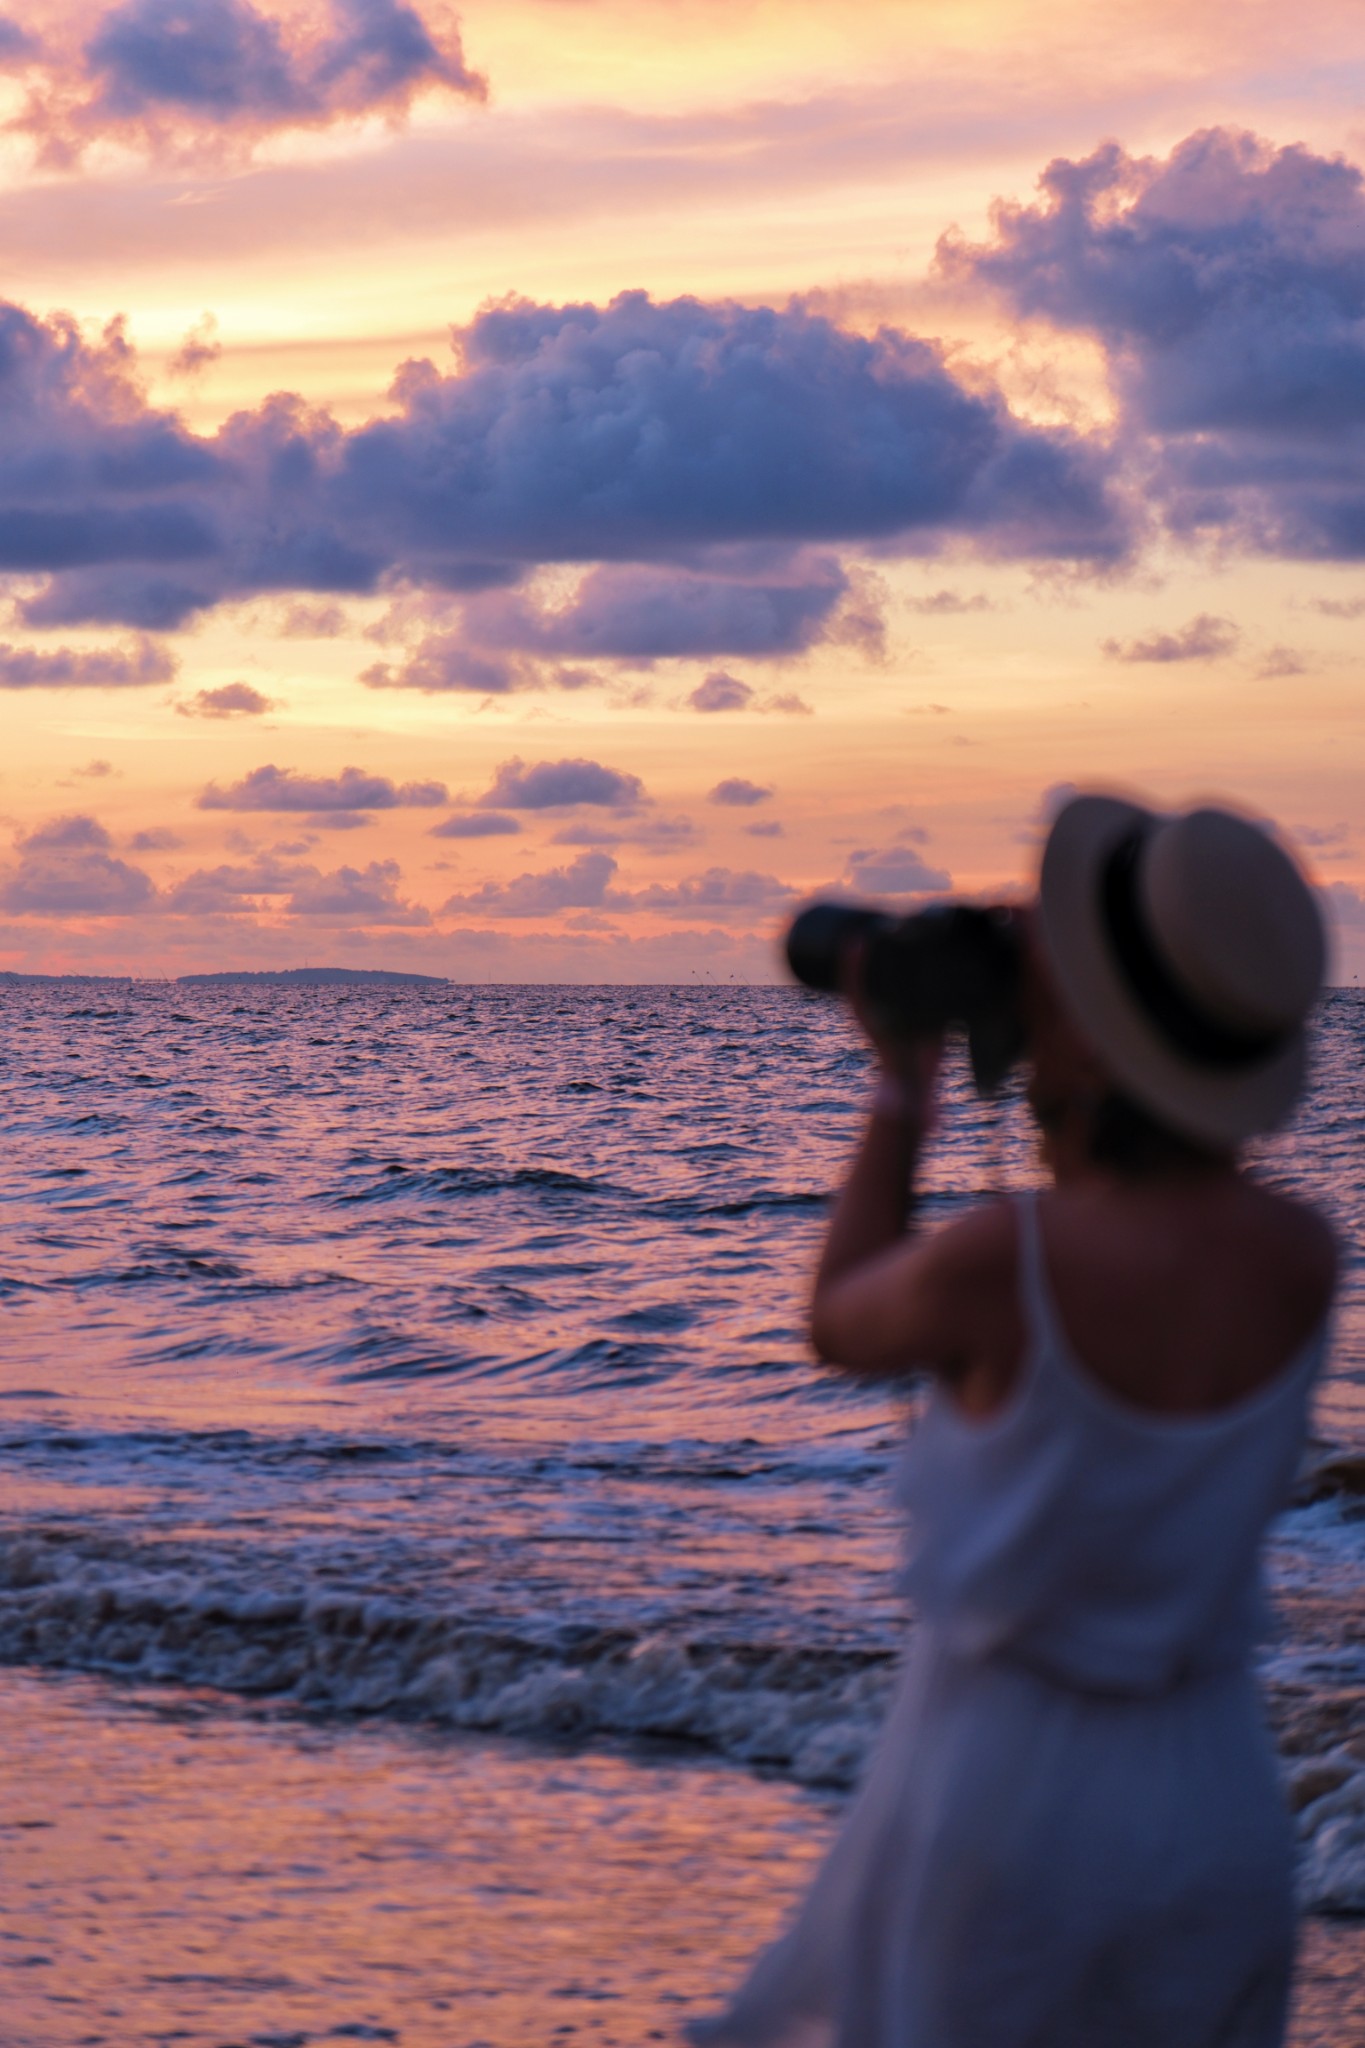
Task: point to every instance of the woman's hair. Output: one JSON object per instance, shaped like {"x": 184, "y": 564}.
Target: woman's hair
{"x": 1130, "y": 1140}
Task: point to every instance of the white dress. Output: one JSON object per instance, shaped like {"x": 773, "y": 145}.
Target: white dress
{"x": 1071, "y": 1833}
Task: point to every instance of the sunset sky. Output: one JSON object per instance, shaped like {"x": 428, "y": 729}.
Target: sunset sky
{"x": 531, "y": 494}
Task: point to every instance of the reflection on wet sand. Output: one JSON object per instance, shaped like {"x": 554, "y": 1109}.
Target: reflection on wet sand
{"x": 178, "y": 1872}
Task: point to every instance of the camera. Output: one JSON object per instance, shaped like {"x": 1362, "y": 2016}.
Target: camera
{"x": 953, "y": 967}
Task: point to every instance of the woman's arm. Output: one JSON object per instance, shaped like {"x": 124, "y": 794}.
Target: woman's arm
{"x": 887, "y": 1303}
{"x": 874, "y": 1203}
{"x": 866, "y": 1285}
{"x": 944, "y": 1304}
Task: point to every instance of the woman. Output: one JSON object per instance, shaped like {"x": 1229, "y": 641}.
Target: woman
{"x": 1071, "y": 1834}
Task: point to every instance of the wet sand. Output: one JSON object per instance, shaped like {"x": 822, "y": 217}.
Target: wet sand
{"x": 177, "y": 1868}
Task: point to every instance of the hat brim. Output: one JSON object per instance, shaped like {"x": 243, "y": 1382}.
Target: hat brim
{"x": 1214, "y": 1106}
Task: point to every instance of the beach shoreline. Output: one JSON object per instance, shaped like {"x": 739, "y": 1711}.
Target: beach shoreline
{"x": 179, "y": 1864}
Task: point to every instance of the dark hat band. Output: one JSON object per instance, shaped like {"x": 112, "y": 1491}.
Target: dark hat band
{"x": 1179, "y": 1020}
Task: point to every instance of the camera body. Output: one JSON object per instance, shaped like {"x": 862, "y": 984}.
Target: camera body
{"x": 953, "y": 967}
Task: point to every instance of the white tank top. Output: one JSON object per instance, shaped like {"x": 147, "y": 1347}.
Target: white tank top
{"x": 1104, "y": 1546}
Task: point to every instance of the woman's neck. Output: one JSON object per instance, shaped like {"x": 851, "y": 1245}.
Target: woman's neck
{"x": 1068, "y": 1152}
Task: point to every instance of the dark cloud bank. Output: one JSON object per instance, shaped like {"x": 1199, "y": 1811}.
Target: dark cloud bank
{"x": 1227, "y": 287}
{"x": 708, "y": 465}
{"x": 705, "y": 457}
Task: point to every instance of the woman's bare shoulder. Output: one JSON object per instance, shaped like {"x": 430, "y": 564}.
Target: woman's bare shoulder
{"x": 980, "y": 1247}
{"x": 972, "y": 1274}
{"x": 1305, "y": 1242}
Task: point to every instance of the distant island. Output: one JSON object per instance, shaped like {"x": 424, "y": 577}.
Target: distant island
{"x": 316, "y": 977}
{"x": 12, "y": 974}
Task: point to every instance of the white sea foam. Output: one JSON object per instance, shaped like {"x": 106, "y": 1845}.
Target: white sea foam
{"x": 807, "y": 1712}
{"x": 1328, "y": 1791}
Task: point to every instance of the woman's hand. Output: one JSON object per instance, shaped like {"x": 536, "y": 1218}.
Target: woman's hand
{"x": 907, "y": 1087}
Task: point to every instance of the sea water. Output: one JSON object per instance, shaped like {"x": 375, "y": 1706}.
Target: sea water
{"x": 440, "y": 1599}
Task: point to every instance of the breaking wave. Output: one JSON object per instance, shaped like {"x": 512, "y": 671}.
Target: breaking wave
{"x": 134, "y": 1612}
{"x": 154, "y": 1614}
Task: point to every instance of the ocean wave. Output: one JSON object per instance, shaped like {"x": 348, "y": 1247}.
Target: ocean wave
{"x": 1326, "y": 1790}
{"x": 122, "y": 1455}
{"x": 401, "y": 1182}
{"x": 1332, "y": 1472}
{"x": 149, "y": 1613}
{"x": 138, "y": 1612}
{"x": 746, "y": 1205}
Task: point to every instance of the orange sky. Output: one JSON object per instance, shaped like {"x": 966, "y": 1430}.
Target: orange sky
{"x": 738, "y": 153}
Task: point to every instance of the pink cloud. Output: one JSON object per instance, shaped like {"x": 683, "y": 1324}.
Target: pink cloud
{"x": 188, "y": 77}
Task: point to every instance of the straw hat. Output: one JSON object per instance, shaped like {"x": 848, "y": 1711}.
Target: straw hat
{"x": 1190, "y": 949}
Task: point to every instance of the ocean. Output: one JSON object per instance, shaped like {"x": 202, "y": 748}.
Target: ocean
{"x": 440, "y": 1599}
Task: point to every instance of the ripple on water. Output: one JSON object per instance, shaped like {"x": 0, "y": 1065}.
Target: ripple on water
{"x": 437, "y": 1355}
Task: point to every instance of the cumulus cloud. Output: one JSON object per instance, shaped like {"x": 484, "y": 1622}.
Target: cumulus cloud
{"x": 1226, "y": 283}
{"x": 1333, "y": 841}
{"x": 186, "y": 74}
{"x": 679, "y": 441}
{"x": 562, "y": 785}
{"x": 1054, "y": 800}
{"x": 445, "y": 662}
{"x": 352, "y": 792}
{"x": 949, "y": 604}
{"x": 1346, "y": 906}
{"x": 304, "y": 621}
{"x": 357, "y": 896}
{"x": 736, "y": 792}
{"x": 705, "y": 462}
{"x": 92, "y": 479}
{"x": 200, "y": 347}
{"x": 586, "y": 884}
{"x": 230, "y": 700}
{"x": 721, "y": 692}
{"x": 1281, "y": 661}
{"x": 75, "y": 833}
{"x": 346, "y": 895}
{"x": 476, "y": 825}
{"x": 895, "y": 871}
{"x": 233, "y": 888}
{"x": 155, "y": 839}
{"x": 642, "y": 615}
{"x": 66, "y": 868}
{"x": 16, "y": 44}
{"x": 631, "y": 431}
{"x": 582, "y": 885}
{"x": 653, "y": 835}
{"x": 338, "y": 821}
{"x": 101, "y": 668}
{"x": 718, "y": 892}
{"x": 1205, "y": 638}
